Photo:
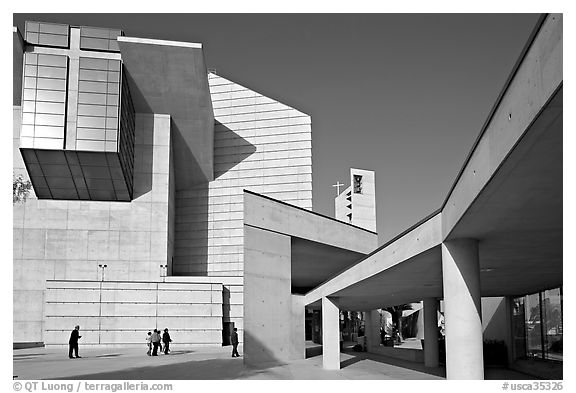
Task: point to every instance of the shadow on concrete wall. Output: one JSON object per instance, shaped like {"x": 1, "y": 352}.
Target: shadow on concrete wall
{"x": 257, "y": 353}
{"x": 191, "y": 237}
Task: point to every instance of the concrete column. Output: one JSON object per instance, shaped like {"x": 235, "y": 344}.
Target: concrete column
{"x": 463, "y": 313}
{"x": 372, "y": 329}
{"x": 430, "y": 332}
{"x": 330, "y": 334}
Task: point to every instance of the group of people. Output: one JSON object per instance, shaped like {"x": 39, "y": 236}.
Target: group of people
{"x": 155, "y": 341}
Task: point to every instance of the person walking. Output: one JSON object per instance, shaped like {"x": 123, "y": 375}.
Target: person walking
{"x": 155, "y": 342}
{"x": 234, "y": 338}
{"x": 166, "y": 340}
{"x": 149, "y": 343}
{"x": 73, "y": 342}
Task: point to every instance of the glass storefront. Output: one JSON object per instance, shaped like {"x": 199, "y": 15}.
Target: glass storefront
{"x": 537, "y": 325}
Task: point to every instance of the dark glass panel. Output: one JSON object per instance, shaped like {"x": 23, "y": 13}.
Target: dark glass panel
{"x": 35, "y": 170}
{"x": 51, "y": 84}
{"x": 42, "y": 193}
{"x": 60, "y": 41}
{"x": 55, "y": 170}
{"x": 54, "y": 28}
{"x": 32, "y": 26}
{"x": 91, "y": 122}
{"x": 98, "y": 184}
{"x": 92, "y": 110}
{"x": 64, "y": 193}
{"x": 51, "y": 157}
{"x": 39, "y": 181}
{"x": 92, "y": 87}
{"x": 553, "y": 327}
{"x": 93, "y": 43}
{"x": 32, "y": 38}
{"x": 102, "y": 194}
{"x": 91, "y": 98}
{"x": 50, "y": 107}
{"x": 93, "y": 63}
{"x": 94, "y": 32}
{"x": 533, "y": 326}
{"x": 52, "y": 72}
{"x": 76, "y": 171}
{"x": 52, "y": 60}
{"x": 60, "y": 182}
{"x": 96, "y": 172}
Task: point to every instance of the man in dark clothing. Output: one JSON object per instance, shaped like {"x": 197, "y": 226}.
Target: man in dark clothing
{"x": 166, "y": 340}
{"x": 155, "y": 342}
{"x": 73, "y": 342}
{"x": 234, "y": 338}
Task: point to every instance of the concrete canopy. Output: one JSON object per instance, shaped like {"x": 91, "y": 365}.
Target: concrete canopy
{"x": 169, "y": 77}
{"x": 508, "y": 196}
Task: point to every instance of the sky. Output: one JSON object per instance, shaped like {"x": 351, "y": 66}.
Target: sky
{"x": 404, "y": 95}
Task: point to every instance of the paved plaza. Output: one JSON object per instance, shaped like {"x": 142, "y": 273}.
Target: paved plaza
{"x": 214, "y": 363}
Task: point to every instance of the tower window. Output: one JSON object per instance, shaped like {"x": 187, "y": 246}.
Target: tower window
{"x": 357, "y": 184}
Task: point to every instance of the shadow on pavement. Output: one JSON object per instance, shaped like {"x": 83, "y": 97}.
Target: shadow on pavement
{"x": 211, "y": 369}
{"x": 419, "y": 367}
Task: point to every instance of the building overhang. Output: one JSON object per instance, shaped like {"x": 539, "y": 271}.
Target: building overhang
{"x": 17, "y": 65}
{"x": 168, "y": 77}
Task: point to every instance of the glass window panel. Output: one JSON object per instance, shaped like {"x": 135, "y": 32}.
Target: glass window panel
{"x": 112, "y": 123}
{"x": 52, "y": 60}
{"x": 111, "y": 146}
{"x": 53, "y": 28}
{"x": 105, "y": 195}
{"x": 553, "y": 329}
{"x": 99, "y": 184}
{"x": 533, "y": 326}
{"x": 111, "y": 111}
{"x": 91, "y": 98}
{"x": 113, "y": 76}
{"x": 27, "y": 142}
{"x": 111, "y": 135}
{"x": 42, "y": 192}
{"x": 94, "y": 32}
{"x": 32, "y": 26}
{"x": 27, "y": 130}
{"x": 50, "y": 107}
{"x": 90, "y": 134}
{"x": 112, "y": 99}
{"x": 29, "y": 94}
{"x": 49, "y": 132}
{"x": 50, "y": 120}
{"x": 38, "y": 181}
{"x": 92, "y": 110}
{"x": 27, "y": 118}
{"x": 114, "y": 65}
{"x": 96, "y": 172}
{"x": 51, "y": 84}
{"x": 64, "y": 193}
{"x": 49, "y": 143}
{"x": 92, "y": 87}
{"x": 114, "y": 33}
{"x": 52, "y": 72}
{"x": 29, "y": 82}
{"x": 32, "y": 38}
{"x": 93, "y": 75}
{"x": 30, "y": 70}
{"x": 53, "y": 40}
{"x": 51, "y": 95}
{"x": 113, "y": 46}
{"x": 78, "y": 179}
{"x": 93, "y": 63}
{"x": 29, "y": 106}
{"x": 93, "y": 43}
{"x": 31, "y": 58}
{"x": 91, "y": 122}
{"x": 113, "y": 88}
{"x": 90, "y": 145}
{"x": 60, "y": 182}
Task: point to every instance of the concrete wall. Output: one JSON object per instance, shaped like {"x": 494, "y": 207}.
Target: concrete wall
{"x": 66, "y": 240}
{"x": 121, "y": 313}
{"x": 260, "y": 145}
{"x": 269, "y": 328}
{"x": 364, "y": 203}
